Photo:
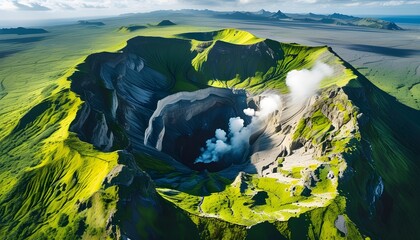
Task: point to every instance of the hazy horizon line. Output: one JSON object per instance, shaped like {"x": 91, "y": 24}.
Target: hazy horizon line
{"x": 67, "y": 20}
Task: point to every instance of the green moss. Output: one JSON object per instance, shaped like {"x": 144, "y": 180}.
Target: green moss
{"x": 227, "y": 35}
{"x": 322, "y": 222}
{"x": 315, "y": 127}
{"x": 244, "y": 207}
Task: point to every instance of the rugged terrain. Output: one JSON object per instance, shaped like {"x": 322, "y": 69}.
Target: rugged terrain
{"x": 112, "y": 144}
{"x": 334, "y": 19}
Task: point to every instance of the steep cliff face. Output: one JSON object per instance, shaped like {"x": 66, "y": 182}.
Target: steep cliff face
{"x": 139, "y": 211}
{"x": 120, "y": 94}
{"x": 227, "y": 61}
{"x": 389, "y": 132}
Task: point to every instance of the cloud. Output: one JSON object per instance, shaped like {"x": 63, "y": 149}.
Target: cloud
{"x": 386, "y": 3}
{"x": 38, "y": 5}
{"x": 97, "y": 6}
{"x": 7, "y": 5}
{"x": 31, "y": 6}
{"x": 393, "y": 3}
{"x": 65, "y": 6}
{"x": 208, "y": 3}
{"x": 120, "y": 5}
{"x": 124, "y": 6}
{"x": 307, "y": 1}
{"x": 352, "y": 4}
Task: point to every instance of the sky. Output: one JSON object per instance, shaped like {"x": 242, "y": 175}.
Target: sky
{"x": 38, "y": 10}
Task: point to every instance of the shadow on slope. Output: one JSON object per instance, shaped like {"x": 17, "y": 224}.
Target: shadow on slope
{"x": 390, "y": 135}
{"x": 22, "y": 40}
{"x": 388, "y": 51}
{"x": 4, "y": 54}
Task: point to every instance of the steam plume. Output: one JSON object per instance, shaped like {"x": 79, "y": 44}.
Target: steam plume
{"x": 237, "y": 141}
{"x": 304, "y": 83}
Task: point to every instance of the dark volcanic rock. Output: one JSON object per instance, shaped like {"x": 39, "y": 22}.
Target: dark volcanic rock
{"x": 121, "y": 94}
{"x": 140, "y": 205}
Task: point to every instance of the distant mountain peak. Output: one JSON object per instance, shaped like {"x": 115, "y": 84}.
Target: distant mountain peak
{"x": 166, "y": 23}
{"x": 263, "y": 12}
{"x": 279, "y": 15}
{"x": 342, "y": 16}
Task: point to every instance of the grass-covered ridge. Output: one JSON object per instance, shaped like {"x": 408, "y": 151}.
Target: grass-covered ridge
{"x": 231, "y": 58}
{"x": 54, "y": 178}
{"x": 231, "y": 35}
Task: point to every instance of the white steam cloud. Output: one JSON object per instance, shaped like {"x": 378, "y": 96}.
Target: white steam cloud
{"x": 237, "y": 141}
{"x": 304, "y": 83}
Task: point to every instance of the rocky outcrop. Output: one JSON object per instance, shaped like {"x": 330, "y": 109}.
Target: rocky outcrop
{"x": 140, "y": 212}
{"x": 135, "y": 191}
{"x": 307, "y": 137}
{"x": 340, "y": 224}
{"x": 120, "y": 93}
